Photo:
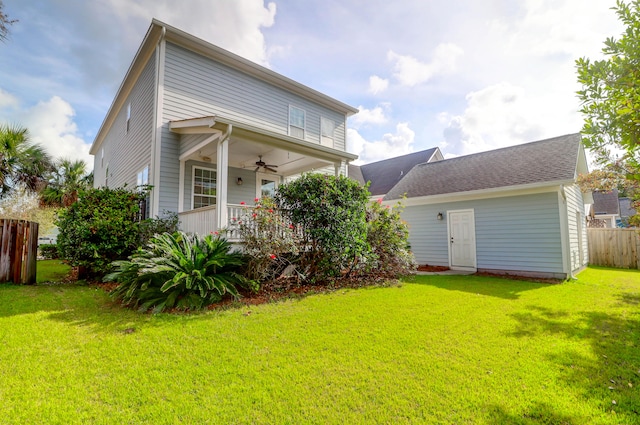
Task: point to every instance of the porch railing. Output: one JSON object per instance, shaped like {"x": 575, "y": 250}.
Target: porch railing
{"x": 201, "y": 220}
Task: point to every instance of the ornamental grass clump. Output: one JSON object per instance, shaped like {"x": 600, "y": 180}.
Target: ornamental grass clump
{"x": 181, "y": 271}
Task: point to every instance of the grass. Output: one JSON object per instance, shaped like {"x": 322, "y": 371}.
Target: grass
{"x": 51, "y": 271}
{"x": 438, "y": 349}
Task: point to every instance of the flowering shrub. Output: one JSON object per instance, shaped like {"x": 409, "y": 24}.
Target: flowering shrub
{"x": 270, "y": 242}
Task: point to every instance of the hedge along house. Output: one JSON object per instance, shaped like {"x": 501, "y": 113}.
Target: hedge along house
{"x": 515, "y": 210}
{"x": 209, "y": 129}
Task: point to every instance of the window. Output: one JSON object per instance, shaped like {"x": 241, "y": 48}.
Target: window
{"x": 204, "y": 187}
{"x": 128, "y": 115}
{"x": 145, "y": 204}
{"x": 143, "y": 177}
{"x": 327, "y": 129}
{"x": 296, "y": 122}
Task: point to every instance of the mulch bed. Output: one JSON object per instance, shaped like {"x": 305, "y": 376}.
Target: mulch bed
{"x": 432, "y": 269}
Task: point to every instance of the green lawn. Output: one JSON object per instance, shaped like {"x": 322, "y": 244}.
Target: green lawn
{"x": 49, "y": 271}
{"x": 438, "y": 349}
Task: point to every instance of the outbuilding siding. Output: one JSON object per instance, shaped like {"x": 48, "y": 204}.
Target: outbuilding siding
{"x": 517, "y": 233}
{"x": 575, "y": 208}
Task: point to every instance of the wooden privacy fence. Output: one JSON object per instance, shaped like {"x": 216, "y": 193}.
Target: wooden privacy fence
{"x": 18, "y": 251}
{"x": 614, "y": 247}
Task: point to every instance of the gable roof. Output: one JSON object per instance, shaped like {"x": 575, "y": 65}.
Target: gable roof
{"x": 550, "y": 160}
{"x": 606, "y": 202}
{"x": 355, "y": 172}
{"x": 385, "y": 174}
{"x": 159, "y": 30}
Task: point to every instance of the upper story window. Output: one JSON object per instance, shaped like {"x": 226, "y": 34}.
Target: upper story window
{"x": 204, "y": 187}
{"x": 128, "y": 115}
{"x": 296, "y": 122}
{"x": 327, "y": 130}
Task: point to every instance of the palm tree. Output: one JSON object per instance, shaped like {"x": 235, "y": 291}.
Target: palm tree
{"x": 22, "y": 163}
{"x": 65, "y": 182}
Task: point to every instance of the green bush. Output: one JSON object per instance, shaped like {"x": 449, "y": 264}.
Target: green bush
{"x": 388, "y": 238}
{"x": 330, "y": 213}
{"x": 49, "y": 251}
{"x": 179, "y": 270}
{"x": 99, "y": 228}
{"x": 150, "y": 227}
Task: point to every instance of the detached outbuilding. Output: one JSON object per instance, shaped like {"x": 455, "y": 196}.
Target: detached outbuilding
{"x": 516, "y": 210}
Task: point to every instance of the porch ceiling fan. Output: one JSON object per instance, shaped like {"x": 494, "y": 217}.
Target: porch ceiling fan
{"x": 267, "y": 167}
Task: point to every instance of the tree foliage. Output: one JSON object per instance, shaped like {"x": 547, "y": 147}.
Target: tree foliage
{"x": 610, "y": 93}
{"x": 65, "y": 182}
{"x": 22, "y": 164}
{"x": 5, "y": 22}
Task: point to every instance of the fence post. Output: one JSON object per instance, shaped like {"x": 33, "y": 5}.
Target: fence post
{"x": 18, "y": 251}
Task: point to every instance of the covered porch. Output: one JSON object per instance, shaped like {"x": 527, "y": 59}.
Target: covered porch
{"x": 225, "y": 165}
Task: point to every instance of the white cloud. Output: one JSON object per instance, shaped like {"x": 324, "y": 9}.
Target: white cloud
{"x": 7, "y": 100}
{"x": 235, "y": 25}
{"x": 377, "y": 84}
{"x": 51, "y": 125}
{"x": 409, "y": 71}
{"x": 496, "y": 116}
{"x": 391, "y": 145}
{"x": 375, "y": 116}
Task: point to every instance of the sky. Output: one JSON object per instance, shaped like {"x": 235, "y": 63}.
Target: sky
{"x": 463, "y": 75}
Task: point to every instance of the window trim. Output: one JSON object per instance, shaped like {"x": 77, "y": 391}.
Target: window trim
{"x": 128, "y": 116}
{"x": 304, "y": 123}
{"x": 193, "y": 184}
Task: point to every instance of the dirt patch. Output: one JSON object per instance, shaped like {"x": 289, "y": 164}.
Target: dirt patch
{"x": 432, "y": 269}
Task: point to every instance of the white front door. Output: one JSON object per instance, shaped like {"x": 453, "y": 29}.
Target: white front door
{"x": 266, "y": 184}
{"x": 462, "y": 239}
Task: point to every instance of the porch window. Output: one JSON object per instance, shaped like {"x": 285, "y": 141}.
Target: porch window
{"x": 204, "y": 187}
{"x": 296, "y": 122}
{"x": 327, "y": 129}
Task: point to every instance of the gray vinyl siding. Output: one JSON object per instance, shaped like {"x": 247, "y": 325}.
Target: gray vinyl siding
{"x": 197, "y": 86}
{"x": 127, "y": 152}
{"x": 236, "y": 193}
{"x": 575, "y": 205}
{"x": 518, "y": 233}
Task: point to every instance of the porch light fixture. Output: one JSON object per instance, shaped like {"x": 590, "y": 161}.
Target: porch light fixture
{"x": 239, "y": 181}
{"x": 439, "y": 216}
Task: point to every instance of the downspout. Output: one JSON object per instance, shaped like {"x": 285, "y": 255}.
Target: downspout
{"x": 156, "y": 136}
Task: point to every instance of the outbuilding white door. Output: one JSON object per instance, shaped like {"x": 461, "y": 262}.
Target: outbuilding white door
{"x": 462, "y": 239}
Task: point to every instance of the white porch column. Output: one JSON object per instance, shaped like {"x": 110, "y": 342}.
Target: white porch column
{"x": 338, "y": 167}
{"x": 222, "y": 182}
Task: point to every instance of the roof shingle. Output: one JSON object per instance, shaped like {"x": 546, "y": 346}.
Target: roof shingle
{"x": 536, "y": 162}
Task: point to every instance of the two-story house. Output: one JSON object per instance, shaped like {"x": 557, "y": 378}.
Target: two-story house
{"x": 208, "y": 129}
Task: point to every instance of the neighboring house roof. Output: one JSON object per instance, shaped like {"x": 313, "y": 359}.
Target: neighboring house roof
{"x": 606, "y": 203}
{"x": 546, "y": 161}
{"x": 626, "y": 209}
{"x": 385, "y": 174}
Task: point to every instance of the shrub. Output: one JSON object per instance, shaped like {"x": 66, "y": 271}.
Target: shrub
{"x": 99, "y": 228}
{"x": 150, "y": 227}
{"x": 330, "y": 213}
{"x": 388, "y": 238}
{"x": 179, "y": 270}
{"x": 270, "y": 242}
{"x": 49, "y": 251}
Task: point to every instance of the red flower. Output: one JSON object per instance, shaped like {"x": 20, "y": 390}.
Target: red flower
{"x": 254, "y": 215}
{"x": 256, "y": 199}
{"x": 291, "y": 226}
{"x": 380, "y": 201}
{"x": 272, "y": 256}
{"x": 270, "y": 211}
{"x": 216, "y": 233}
{"x": 242, "y": 203}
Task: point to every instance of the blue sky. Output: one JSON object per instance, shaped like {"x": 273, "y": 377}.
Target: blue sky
{"x": 464, "y": 75}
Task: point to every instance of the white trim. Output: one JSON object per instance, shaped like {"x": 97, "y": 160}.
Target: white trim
{"x": 500, "y": 192}
{"x": 304, "y": 128}
{"x": 222, "y": 180}
{"x": 200, "y": 145}
{"x": 194, "y": 125}
{"x": 474, "y": 246}
{"x": 156, "y": 138}
{"x": 564, "y": 232}
{"x": 181, "y": 187}
{"x": 193, "y": 183}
